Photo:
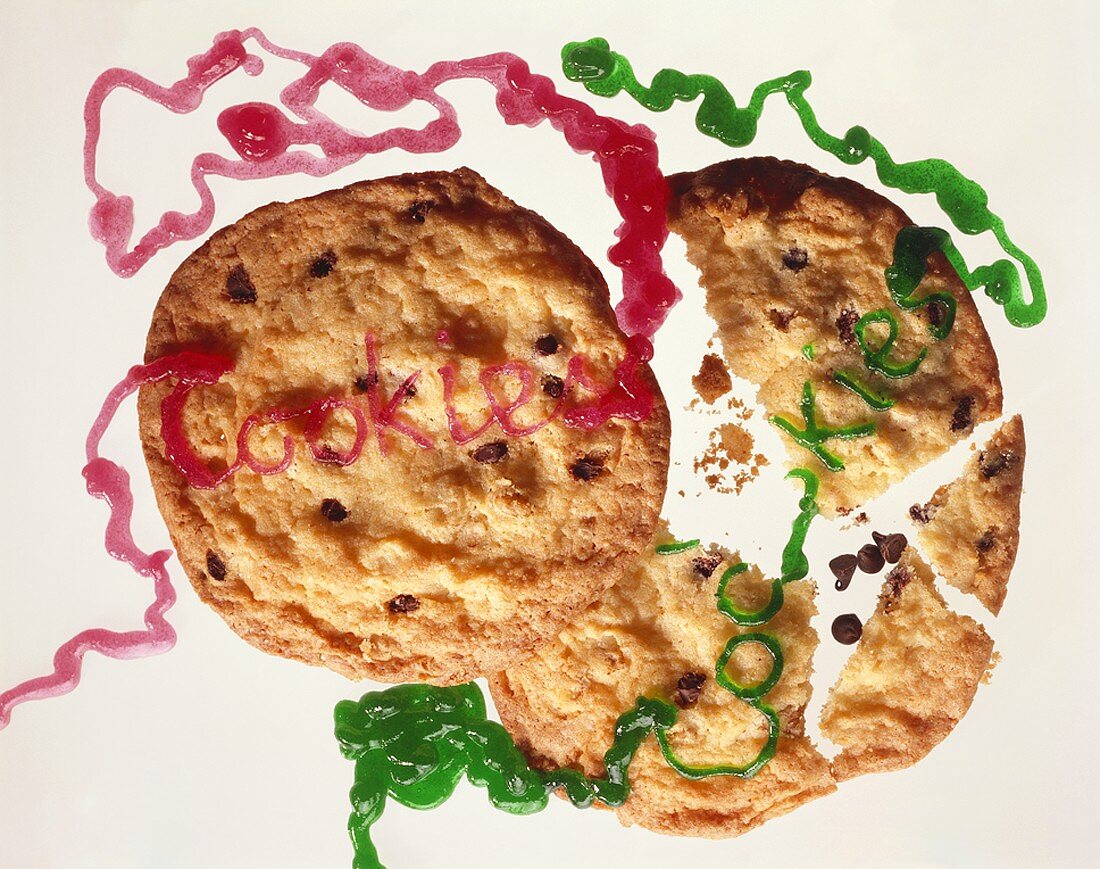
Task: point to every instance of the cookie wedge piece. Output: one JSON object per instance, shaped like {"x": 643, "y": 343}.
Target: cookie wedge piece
{"x": 970, "y": 529}
{"x": 385, "y": 321}
{"x": 910, "y": 679}
{"x": 791, "y": 259}
{"x": 658, "y": 633}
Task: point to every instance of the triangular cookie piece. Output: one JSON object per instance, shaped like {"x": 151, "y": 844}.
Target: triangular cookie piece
{"x": 971, "y": 527}
{"x": 910, "y": 680}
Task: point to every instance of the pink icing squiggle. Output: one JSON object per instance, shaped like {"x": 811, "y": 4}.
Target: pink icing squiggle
{"x": 109, "y": 482}
{"x": 262, "y": 135}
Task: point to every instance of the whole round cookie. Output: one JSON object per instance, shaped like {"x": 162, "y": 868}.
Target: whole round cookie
{"x": 400, "y": 475}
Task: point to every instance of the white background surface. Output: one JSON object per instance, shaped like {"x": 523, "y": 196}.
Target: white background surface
{"x": 218, "y": 756}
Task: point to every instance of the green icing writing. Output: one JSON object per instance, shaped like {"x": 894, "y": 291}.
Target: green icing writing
{"x": 877, "y": 359}
{"x": 414, "y": 743}
{"x": 814, "y": 436}
{"x": 675, "y": 546}
{"x": 605, "y": 73}
{"x": 795, "y": 565}
{"x": 912, "y": 247}
{"x": 874, "y": 400}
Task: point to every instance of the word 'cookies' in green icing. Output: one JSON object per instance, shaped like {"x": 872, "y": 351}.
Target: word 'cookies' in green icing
{"x": 415, "y": 742}
{"x": 605, "y": 73}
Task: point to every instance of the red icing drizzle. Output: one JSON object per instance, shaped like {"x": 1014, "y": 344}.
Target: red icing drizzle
{"x": 263, "y": 135}
{"x": 109, "y": 482}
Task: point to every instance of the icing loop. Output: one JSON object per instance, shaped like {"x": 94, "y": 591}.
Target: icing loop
{"x": 605, "y": 73}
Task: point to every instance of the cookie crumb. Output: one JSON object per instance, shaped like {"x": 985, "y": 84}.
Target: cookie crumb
{"x": 403, "y": 603}
{"x": 712, "y": 381}
{"x": 333, "y": 510}
{"x": 688, "y": 689}
{"x": 587, "y": 468}
{"x": 730, "y": 447}
{"x": 239, "y": 287}
{"x": 323, "y": 265}
{"x": 490, "y": 453}
{"x": 215, "y": 566}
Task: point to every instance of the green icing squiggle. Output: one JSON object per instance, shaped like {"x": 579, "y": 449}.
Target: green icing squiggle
{"x": 415, "y": 743}
{"x": 606, "y": 73}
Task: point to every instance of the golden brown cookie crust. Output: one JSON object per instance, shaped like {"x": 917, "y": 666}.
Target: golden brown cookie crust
{"x": 910, "y": 680}
{"x": 785, "y": 251}
{"x": 970, "y": 529}
{"x": 498, "y": 555}
{"x": 658, "y": 623}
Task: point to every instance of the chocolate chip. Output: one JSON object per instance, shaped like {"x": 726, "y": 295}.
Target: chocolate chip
{"x": 553, "y": 386}
{"x": 870, "y": 559}
{"x": 890, "y": 545}
{"x": 986, "y": 541}
{"x": 782, "y": 319}
{"x": 239, "y": 287}
{"x": 936, "y": 313}
{"x": 991, "y": 467}
{"x": 214, "y": 565}
{"x": 921, "y": 514}
{"x": 418, "y": 211}
{"x": 587, "y": 468}
{"x": 896, "y": 580}
{"x": 333, "y": 510}
{"x": 845, "y": 325}
{"x": 403, "y": 603}
{"x": 843, "y": 568}
{"x": 367, "y": 382}
{"x": 322, "y": 266}
{"x": 410, "y": 390}
{"x": 847, "y": 628}
{"x": 962, "y": 418}
{"x": 547, "y": 345}
{"x": 795, "y": 259}
{"x": 490, "y": 453}
{"x": 688, "y": 689}
{"x": 705, "y": 565}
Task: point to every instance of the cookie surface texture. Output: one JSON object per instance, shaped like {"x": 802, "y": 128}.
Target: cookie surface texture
{"x": 433, "y": 556}
{"x": 791, "y": 259}
{"x": 656, "y": 626}
{"x": 909, "y": 681}
{"x": 970, "y": 529}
